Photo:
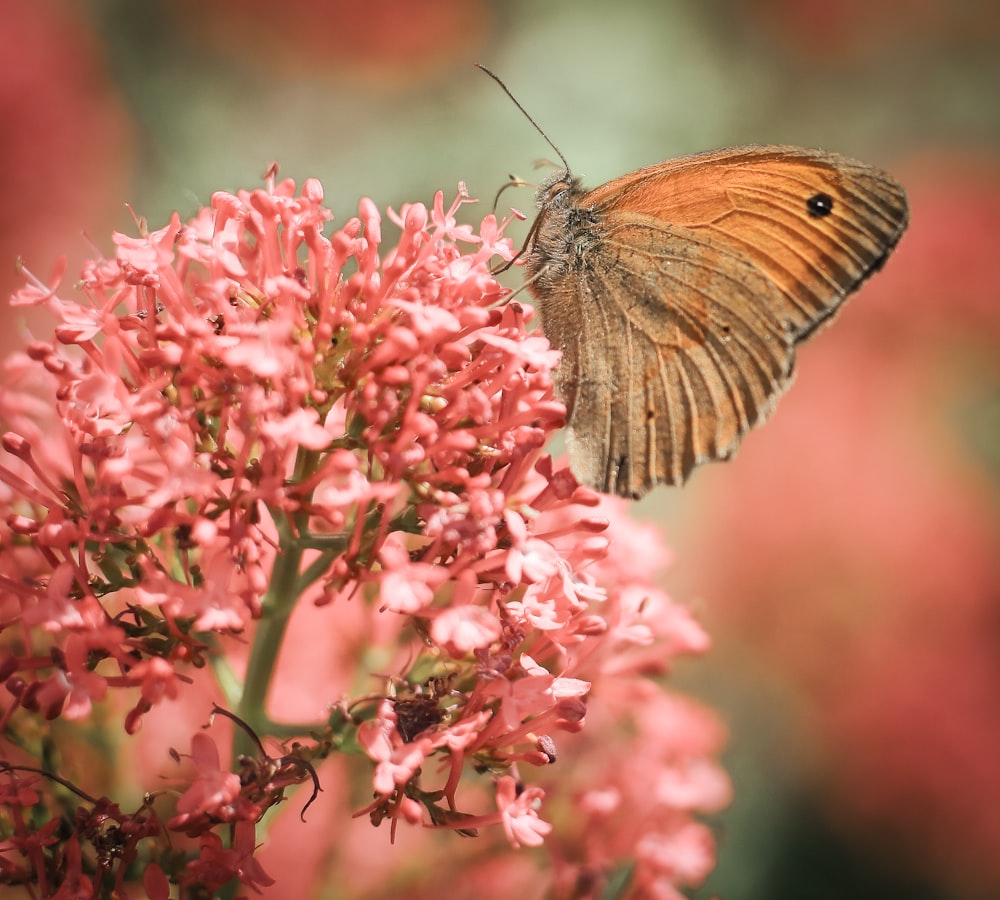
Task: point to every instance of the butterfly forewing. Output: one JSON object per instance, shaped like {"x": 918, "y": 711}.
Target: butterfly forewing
{"x": 677, "y": 294}
{"x": 762, "y": 202}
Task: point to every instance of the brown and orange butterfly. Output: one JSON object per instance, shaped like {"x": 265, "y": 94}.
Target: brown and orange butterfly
{"x": 678, "y": 293}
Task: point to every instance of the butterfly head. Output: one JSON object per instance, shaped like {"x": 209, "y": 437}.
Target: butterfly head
{"x": 558, "y": 190}
{"x": 561, "y": 233}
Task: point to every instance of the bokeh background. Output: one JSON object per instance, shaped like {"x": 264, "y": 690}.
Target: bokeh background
{"x": 848, "y": 561}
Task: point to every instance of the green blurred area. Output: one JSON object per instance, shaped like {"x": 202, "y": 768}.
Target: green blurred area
{"x": 615, "y": 85}
{"x": 373, "y": 103}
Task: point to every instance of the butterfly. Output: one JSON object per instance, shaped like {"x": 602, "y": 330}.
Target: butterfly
{"x": 678, "y": 294}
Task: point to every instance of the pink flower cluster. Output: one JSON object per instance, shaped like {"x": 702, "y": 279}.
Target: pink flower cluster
{"x": 245, "y": 414}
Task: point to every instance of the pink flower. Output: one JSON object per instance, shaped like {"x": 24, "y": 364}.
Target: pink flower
{"x": 244, "y": 421}
{"x": 216, "y": 865}
{"x": 684, "y": 857}
{"x": 397, "y": 761}
{"x": 520, "y": 818}
{"x": 463, "y": 629}
{"x": 405, "y": 586}
{"x": 72, "y": 688}
{"x": 212, "y": 793}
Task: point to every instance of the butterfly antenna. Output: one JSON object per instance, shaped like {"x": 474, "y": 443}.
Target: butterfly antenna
{"x": 524, "y": 112}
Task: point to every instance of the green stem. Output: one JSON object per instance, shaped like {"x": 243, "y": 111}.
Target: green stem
{"x": 277, "y": 606}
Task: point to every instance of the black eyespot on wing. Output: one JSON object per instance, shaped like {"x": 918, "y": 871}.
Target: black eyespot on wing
{"x": 819, "y": 205}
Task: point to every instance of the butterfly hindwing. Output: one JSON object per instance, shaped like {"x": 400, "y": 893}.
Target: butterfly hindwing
{"x": 677, "y": 362}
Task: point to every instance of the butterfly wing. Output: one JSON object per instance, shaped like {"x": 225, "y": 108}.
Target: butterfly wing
{"x": 669, "y": 355}
{"x": 815, "y": 223}
{"x": 677, "y": 294}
